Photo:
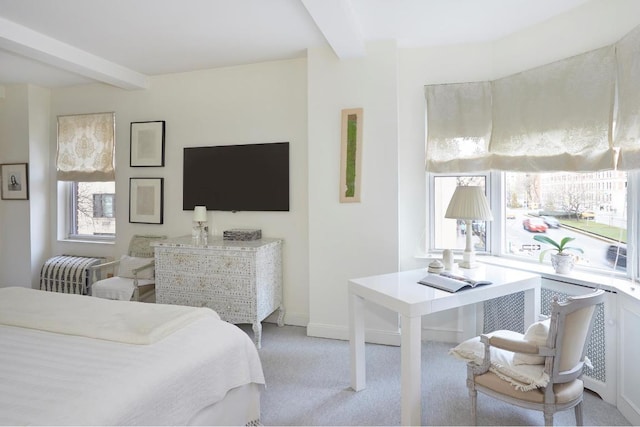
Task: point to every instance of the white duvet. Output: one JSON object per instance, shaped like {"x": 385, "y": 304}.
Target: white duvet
{"x": 94, "y": 317}
{"x": 58, "y": 379}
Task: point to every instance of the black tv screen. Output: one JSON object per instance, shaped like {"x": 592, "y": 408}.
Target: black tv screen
{"x": 251, "y": 177}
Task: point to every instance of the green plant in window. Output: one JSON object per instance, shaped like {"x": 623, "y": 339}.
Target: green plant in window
{"x": 560, "y": 248}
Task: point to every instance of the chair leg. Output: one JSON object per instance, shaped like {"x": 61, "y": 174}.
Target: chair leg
{"x": 578, "y": 410}
{"x": 473, "y": 394}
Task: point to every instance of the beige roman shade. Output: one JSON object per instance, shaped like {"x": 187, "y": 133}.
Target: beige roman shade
{"x": 556, "y": 117}
{"x": 86, "y": 144}
{"x": 627, "y": 131}
{"x": 458, "y": 127}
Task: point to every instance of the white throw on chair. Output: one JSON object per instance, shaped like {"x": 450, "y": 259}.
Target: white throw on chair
{"x": 539, "y": 370}
{"x": 133, "y": 278}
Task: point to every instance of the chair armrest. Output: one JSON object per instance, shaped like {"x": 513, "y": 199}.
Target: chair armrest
{"x": 139, "y": 269}
{"x": 94, "y": 269}
{"x": 144, "y": 267}
{"x": 104, "y": 265}
{"x": 517, "y": 346}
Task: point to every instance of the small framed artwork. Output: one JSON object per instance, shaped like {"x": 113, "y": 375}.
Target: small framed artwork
{"x": 15, "y": 181}
{"x": 146, "y": 200}
{"x": 351, "y": 155}
{"x": 147, "y": 144}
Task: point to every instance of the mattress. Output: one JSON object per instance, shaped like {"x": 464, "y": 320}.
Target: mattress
{"x": 58, "y": 379}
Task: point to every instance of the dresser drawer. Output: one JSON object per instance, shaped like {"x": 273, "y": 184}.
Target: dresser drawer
{"x": 226, "y": 262}
{"x": 230, "y": 309}
{"x": 212, "y": 284}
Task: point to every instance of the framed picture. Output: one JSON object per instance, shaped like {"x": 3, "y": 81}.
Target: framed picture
{"x": 15, "y": 181}
{"x": 147, "y": 144}
{"x": 351, "y": 155}
{"x": 146, "y": 200}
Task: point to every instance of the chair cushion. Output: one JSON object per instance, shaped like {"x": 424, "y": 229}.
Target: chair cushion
{"x": 522, "y": 377}
{"x": 537, "y": 334}
{"x": 130, "y": 263}
{"x": 118, "y": 288}
{"x": 564, "y": 393}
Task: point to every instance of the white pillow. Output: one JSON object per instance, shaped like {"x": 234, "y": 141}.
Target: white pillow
{"x": 129, "y": 263}
{"x": 523, "y": 377}
{"x": 536, "y": 334}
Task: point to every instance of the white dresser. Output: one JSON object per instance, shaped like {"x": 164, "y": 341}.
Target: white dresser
{"x": 240, "y": 280}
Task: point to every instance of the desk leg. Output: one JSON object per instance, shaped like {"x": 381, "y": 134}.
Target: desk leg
{"x": 411, "y": 371}
{"x": 531, "y": 306}
{"x": 356, "y": 342}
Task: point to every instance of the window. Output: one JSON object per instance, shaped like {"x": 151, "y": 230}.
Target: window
{"x": 85, "y": 161}
{"x": 104, "y": 205}
{"x": 591, "y": 207}
{"x": 93, "y": 209}
{"x": 451, "y": 233}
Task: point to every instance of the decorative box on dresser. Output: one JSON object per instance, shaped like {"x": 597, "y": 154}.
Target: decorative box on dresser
{"x": 240, "y": 280}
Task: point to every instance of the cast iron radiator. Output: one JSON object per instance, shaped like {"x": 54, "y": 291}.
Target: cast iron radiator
{"x": 67, "y": 273}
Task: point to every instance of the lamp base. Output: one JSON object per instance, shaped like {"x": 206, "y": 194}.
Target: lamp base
{"x": 468, "y": 260}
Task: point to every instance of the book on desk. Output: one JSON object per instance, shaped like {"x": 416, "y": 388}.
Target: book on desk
{"x": 450, "y": 282}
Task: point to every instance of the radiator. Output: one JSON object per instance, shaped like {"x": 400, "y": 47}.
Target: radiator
{"x": 67, "y": 273}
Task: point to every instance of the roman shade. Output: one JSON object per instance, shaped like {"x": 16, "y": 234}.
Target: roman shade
{"x": 557, "y": 117}
{"x": 458, "y": 127}
{"x": 627, "y": 131}
{"x": 86, "y": 147}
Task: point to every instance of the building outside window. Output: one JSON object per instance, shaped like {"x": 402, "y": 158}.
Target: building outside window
{"x": 93, "y": 209}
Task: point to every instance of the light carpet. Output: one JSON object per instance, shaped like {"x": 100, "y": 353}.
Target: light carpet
{"x": 308, "y": 383}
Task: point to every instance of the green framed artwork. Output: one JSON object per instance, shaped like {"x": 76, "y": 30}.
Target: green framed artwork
{"x": 351, "y": 155}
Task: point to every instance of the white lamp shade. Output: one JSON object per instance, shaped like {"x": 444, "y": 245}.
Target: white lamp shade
{"x": 200, "y": 214}
{"x": 469, "y": 203}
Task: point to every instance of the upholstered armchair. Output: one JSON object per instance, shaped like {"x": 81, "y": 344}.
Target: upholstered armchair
{"x": 133, "y": 277}
{"x": 540, "y": 369}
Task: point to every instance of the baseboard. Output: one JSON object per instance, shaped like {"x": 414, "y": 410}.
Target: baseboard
{"x": 293, "y": 319}
{"x": 630, "y": 412}
{"x": 440, "y": 335}
{"x": 342, "y": 333}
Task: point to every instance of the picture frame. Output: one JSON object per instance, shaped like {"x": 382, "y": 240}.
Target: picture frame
{"x": 147, "y": 144}
{"x": 15, "y": 181}
{"x": 146, "y": 200}
{"x": 351, "y": 155}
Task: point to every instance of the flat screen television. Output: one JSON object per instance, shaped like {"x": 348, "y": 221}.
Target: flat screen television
{"x": 250, "y": 177}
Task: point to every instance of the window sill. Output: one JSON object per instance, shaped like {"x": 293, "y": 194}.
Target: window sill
{"x": 610, "y": 282}
{"x": 90, "y": 241}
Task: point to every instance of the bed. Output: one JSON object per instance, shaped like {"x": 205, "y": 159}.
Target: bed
{"x": 77, "y": 360}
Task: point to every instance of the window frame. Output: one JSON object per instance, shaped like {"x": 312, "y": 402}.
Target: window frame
{"x": 496, "y": 229}
{"x": 69, "y": 193}
{"x": 489, "y": 234}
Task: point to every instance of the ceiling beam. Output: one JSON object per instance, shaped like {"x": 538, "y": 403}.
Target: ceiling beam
{"x": 31, "y": 44}
{"x": 338, "y": 24}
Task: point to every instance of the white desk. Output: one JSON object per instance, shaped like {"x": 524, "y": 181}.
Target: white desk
{"x": 401, "y": 292}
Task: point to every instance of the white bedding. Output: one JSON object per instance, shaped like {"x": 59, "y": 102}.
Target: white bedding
{"x": 57, "y": 379}
{"x": 94, "y": 317}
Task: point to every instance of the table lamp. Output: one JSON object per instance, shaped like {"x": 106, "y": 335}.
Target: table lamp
{"x": 469, "y": 203}
{"x": 200, "y": 221}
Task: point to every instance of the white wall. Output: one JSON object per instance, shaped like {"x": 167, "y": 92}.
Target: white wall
{"x": 39, "y": 196}
{"x": 348, "y": 240}
{"x": 256, "y": 103}
{"x": 16, "y": 130}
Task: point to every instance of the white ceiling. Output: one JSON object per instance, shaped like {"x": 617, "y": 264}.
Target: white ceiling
{"x": 56, "y": 43}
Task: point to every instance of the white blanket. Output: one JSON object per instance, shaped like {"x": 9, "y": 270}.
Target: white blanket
{"x": 122, "y": 321}
{"x": 55, "y": 379}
